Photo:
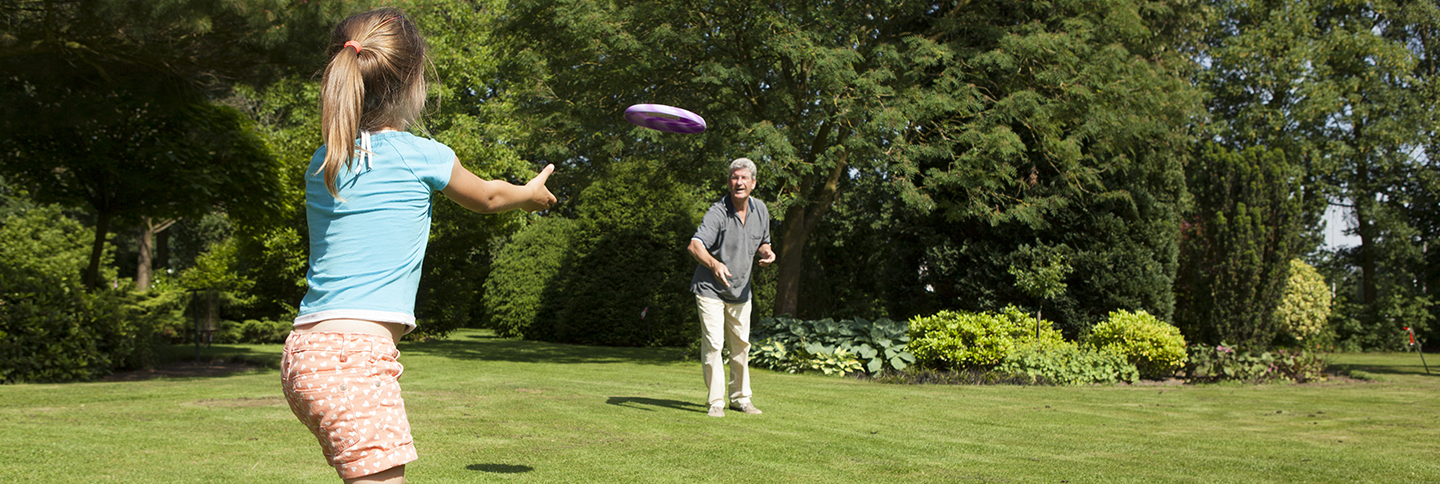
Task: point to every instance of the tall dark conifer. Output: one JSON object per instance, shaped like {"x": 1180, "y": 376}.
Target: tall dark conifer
{"x": 1236, "y": 246}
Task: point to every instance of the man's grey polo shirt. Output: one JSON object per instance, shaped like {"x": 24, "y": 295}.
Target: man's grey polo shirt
{"x": 733, "y": 244}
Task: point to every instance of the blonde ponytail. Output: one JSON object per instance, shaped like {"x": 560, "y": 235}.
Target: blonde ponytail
{"x": 375, "y": 79}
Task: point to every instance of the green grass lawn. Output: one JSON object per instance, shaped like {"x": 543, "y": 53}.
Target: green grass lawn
{"x": 495, "y": 410}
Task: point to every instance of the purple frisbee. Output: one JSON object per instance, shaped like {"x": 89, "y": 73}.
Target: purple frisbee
{"x": 669, "y": 119}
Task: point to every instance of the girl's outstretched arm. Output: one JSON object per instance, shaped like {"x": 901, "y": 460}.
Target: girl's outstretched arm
{"x": 495, "y": 196}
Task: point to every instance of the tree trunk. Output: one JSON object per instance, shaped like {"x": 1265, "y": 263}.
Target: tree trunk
{"x": 162, "y": 251}
{"x": 143, "y": 266}
{"x": 91, "y": 278}
{"x": 142, "y": 263}
{"x": 791, "y": 255}
{"x": 1365, "y": 212}
{"x": 800, "y": 221}
{"x": 1363, "y": 228}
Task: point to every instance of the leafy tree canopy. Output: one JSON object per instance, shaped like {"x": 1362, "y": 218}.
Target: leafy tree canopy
{"x": 803, "y": 88}
{"x": 1051, "y": 125}
{"x": 109, "y": 105}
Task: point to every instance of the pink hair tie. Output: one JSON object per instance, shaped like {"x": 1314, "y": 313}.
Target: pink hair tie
{"x": 356, "y": 45}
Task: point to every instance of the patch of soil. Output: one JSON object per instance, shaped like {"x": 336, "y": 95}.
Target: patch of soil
{"x": 1168, "y": 382}
{"x": 184, "y": 369}
{"x": 1331, "y": 379}
{"x": 242, "y": 402}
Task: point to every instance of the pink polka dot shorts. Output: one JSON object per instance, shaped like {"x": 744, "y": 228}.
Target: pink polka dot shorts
{"x": 343, "y": 386}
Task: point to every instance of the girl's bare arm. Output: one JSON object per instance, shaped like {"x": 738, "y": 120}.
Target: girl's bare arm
{"x": 495, "y": 196}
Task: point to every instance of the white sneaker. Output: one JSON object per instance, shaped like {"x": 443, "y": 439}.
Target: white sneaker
{"x": 746, "y": 407}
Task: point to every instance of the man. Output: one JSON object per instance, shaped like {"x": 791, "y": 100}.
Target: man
{"x": 732, "y": 232}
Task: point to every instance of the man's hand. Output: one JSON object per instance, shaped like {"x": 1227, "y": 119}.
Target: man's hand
{"x": 722, "y": 273}
{"x": 767, "y": 256}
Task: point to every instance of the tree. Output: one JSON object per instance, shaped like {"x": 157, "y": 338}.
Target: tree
{"x": 861, "y": 262}
{"x": 108, "y": 102}
{"x": 1417, "y": 25}
{"x": 1051, "y": 126}
{"x": 1341, "y": 89}
{"x": 274, "y": 251}
{"x": 1040, "y": 274}
{"x": 803, "y": 88}
{"x": 1237, "y": 247}
{"x": 143, "y": 165}
{"x": 1372, "y": 124}
{"x": 464, "y": 113}
{"x": 480, "y": 127}
{"x": 1261, "y": 82}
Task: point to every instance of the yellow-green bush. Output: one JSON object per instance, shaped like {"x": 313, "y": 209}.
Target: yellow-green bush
{"x": 1305, "y": 306}
{"x": 1155, "y": 348}
{"x": 1069, "y": 364}
{"x": 957, "y": 339}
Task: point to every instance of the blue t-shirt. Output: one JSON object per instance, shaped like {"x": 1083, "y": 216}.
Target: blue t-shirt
{"x": 366, "y": 247}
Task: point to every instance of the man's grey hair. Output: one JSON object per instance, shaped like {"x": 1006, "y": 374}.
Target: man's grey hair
{"x": 743, "y": 163}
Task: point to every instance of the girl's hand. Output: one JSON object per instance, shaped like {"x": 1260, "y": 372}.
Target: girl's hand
{"x": 540, "y": 196}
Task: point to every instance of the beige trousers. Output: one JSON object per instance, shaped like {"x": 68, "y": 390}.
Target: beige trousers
{"x": 730, "y": 321}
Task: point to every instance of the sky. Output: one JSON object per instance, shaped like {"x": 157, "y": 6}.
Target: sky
{"x": 1337, "y": 219}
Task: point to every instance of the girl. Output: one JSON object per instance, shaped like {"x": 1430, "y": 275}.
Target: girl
{"x": 367, "y": 201}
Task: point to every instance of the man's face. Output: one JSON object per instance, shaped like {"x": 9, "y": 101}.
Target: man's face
{"x": 741, "y": 183}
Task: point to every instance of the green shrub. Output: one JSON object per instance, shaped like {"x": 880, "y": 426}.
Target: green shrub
{"x": 829, "y": 346}
{"x": 769, "y": 353}
{"x": 51, "y": 328}
{"x": 275, "y": 258}
{"x": 625, "y": 281}
{"x": 130, "y": 325}
{"x": 166, "y": 304}
{"x": 1236, "y": 245}
{"x": 458, "y": 259}
{"x": 955, "y": 340}
{"x": 253, "y": 331}
{"x": 1208, "y": 364}
{"x": 522, "y": 273}
{"x": 1305, "y": 305}
{"x": 1069, "y": 364}
{"x": 1155, "y": 348}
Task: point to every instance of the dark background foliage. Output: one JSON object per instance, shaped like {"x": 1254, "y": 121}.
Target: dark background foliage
{"x": 917, "y": 156}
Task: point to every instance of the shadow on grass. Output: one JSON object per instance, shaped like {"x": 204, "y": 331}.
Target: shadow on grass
{"x": 500, "y": 468}
{"x": 1409, "y": 364}
{"x": 1417, "y": 370}
{"x": 267, "y": 356}
{"x": 460, "y": 346}
{"x": 216, "y": 361}
{"x": 484, "y": 347}
{"x": 641, "y": 402}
